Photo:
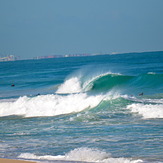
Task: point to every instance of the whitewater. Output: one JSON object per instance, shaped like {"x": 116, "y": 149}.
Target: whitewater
{"x": 106, "y": 108}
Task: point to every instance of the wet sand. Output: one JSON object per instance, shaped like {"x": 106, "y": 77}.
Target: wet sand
{"x": 2, "y": 160}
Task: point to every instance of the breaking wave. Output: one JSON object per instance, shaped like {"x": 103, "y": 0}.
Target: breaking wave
{"x": 82, "y": 155}
{"x": 147, "y": 110}
{"x": 82, "y": 92}
{"x": 108, "y": 81}
{"x": 53, "y": 105}
{"x": 49, "y": 105}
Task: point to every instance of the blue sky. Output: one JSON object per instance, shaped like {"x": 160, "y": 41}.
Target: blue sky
{"x": 30, "y": 28}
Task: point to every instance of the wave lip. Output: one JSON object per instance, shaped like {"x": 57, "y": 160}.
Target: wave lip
{"x": 101, "y": 82}
{"x": 82, "y": 155}
{"x": 89, "y": 84}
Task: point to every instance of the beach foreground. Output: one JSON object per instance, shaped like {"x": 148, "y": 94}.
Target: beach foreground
{"x": 2, "y": 160}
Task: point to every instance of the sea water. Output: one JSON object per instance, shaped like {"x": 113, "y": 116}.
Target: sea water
{"x": 106, "y": 108}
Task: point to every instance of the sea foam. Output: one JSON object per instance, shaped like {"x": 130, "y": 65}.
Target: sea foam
{"x": 49, "y": 105}
{"x": 147, "y": 110}
{"x": 83, "y": 155}
{"x": 71, "y": 85}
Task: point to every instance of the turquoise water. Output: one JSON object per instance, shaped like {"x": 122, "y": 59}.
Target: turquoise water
{"x": 106, "y": 108}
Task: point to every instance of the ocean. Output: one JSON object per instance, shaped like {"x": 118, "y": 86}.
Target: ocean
{"x": 104, "y": 108}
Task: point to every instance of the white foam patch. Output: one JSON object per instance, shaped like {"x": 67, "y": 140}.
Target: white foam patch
{"x": 35, "y": 157}
{"x": 71, "y": 85}
{"x": 152, "y": 73}
{"x": 82, "y": 154}
{"x": 147, "y": 110}
{"x": 49, "y": 105}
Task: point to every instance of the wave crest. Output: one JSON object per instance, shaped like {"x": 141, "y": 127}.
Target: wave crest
{"x": 99, "y": 82}
{"x": 82, "y": 155}
{"x": 49, "y": 105}
{"x": 105, "y": 82}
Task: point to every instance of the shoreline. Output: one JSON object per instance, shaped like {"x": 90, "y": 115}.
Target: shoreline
{"x": 4, "y": 160}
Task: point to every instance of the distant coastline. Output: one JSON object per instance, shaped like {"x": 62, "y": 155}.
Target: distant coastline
{"x": 87, "y": 54}
{"x": 15, "y": 58}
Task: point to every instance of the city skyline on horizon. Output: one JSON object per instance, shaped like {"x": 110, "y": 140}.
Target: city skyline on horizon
{"x": 12, "y": 57}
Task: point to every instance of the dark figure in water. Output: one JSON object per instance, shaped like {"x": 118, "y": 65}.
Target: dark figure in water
{"x": 141, "y": 94}
{"x": 12, "y": 85}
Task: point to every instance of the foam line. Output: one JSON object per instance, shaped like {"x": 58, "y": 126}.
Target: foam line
{"x": 49, "y": 105}
{"x": 147, "y": 110}
{"x": 84, "y": 155}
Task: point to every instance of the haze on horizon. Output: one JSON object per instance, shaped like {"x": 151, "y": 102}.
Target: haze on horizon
{"x": 30, "y": 28}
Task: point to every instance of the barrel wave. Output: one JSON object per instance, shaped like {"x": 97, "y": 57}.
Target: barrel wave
{"x": 106, "y": 82}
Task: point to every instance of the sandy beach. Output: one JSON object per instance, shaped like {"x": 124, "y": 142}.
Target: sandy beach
{"x": 2, "y": 160}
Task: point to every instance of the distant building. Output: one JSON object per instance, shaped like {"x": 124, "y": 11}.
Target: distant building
{"x": 8, "y": 58}
{"x": 65, "y": 55}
